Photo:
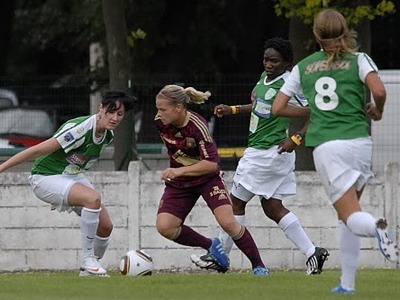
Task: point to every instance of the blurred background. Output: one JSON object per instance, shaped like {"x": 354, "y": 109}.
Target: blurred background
{"x": 55, "y": 60}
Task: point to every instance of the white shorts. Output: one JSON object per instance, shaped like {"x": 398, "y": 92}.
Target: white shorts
{"x": 264, "y": 173}
{"x": 341, "y": 164}
{"x": 54, "y": 189}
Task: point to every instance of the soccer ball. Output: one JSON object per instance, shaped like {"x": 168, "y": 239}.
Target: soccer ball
{"x": 136, "y": 263}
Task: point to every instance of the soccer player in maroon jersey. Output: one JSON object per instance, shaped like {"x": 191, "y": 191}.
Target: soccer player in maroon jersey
{"x": 194, "y": 171}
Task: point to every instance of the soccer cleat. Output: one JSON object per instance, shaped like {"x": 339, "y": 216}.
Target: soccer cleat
{"x": 91, "y": 266}
{"x": 386, "y": 245}
{"x": 218, "y": 253}
{"x": 215, "y": 259}
{"x": 260, "y": 271}
{"x": 341, "y": 290}
{"x": 206, "y": 262}
{"x": 316, "y": 261}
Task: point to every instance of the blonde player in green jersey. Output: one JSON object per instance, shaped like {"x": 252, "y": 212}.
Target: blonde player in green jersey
{"x": 333, "y": 80}
{"x": 267, "y": 166}
{"x": 57, "y": 175}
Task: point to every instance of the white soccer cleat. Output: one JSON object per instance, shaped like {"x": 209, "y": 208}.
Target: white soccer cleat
{"x": 386, "y": 245}
{"x": 90, "y": 266}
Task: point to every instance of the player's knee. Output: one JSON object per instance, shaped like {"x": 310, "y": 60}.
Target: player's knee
{"x": 93, "y": 201}
{"x": 230, "y": 226}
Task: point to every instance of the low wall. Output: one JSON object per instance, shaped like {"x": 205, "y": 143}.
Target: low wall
{"x": 33, "y": 237}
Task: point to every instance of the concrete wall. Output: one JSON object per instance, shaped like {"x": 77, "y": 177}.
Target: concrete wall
{"x": 33, "y": 237}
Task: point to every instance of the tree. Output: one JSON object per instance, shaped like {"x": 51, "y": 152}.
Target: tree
{"x": 119, "y": 74}
{"x": 301, "y": 13}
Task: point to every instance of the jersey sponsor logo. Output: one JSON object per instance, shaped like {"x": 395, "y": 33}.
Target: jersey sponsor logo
{"x": 203, "y": 149}
{"x": 77, "y": 159}
{"x": 322, "y": 65}
{"x": 68, "y": 137}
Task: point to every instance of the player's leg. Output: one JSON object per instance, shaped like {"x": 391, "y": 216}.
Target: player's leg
{"x": 90, "y": 201}
{"x": 239, "y": 209}
{"x": 225, "y": 218}
{"x": 240, "y": 236}
{"x": 174, "y": 207}
{"x": 344, "y": 167}
{"x": 103, "y": 234}
{"x": 290, "y": 225}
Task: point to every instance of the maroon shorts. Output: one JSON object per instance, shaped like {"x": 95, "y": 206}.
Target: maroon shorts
{"x": 180, "y": 201}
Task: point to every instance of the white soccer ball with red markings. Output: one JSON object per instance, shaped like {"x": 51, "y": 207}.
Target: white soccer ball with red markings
{"x": 136, "y": 263}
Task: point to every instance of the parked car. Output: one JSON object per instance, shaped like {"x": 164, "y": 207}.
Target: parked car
{"x": 24, "y": 127}
{"x": 8, "y": 98}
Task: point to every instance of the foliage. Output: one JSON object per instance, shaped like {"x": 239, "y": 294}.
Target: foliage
{"x": 139, "y": 34}
{"x": 306, "y": 9}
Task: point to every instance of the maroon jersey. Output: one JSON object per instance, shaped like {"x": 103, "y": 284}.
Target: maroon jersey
{"x": 188, "y": 145}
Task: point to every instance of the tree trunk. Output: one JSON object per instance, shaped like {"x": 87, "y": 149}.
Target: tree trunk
{"x": 119, "y": 72}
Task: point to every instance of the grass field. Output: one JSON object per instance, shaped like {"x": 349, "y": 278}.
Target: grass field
{"x": 371, "y": 284}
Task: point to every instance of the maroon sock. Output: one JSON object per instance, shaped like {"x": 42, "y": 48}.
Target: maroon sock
{"x": 189, "y": 237}
{"x": 244, "y": 241}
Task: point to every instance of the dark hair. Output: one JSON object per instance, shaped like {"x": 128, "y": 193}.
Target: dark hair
{"x": 284, "y": 47}
{"x": 110, "y": 101}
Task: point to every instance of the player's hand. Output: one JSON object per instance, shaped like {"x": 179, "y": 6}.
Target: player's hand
{"x": 169, "y": 174}
{"x": 221, "y": 109}
{"x": 373, "y": 113}
{"x": 287, "y": 146}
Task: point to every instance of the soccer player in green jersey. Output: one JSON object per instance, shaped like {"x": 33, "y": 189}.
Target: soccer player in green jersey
{"x": 267, "y": 166}
{"x": 333, "y": 81}
{"x": 57, "y": 178}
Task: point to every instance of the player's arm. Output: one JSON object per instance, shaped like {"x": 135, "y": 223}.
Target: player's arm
{"x": 281, "y": 107}
{"x": 378, "y": 91}
{"x": 48, "y": 146}
{"x": 200, "y": 168}
{"x": 295, "y": 140}
{"x": 222, "y": 110}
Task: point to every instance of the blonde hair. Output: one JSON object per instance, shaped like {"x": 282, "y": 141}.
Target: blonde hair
{"x": 182, "y": 95}
{"x": 332, "y": 33}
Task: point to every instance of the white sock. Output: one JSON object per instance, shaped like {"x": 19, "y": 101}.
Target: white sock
{"x": 100, "y": 245}
{"x": 292, "y": 228}
{"x": 362, "y": 224}
{"x": 349, "y": 251}
{"x": 226, "y": 239}
{"x": 89, "y": 224}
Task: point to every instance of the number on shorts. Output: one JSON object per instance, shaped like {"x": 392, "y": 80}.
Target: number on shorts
{"x": 326, "y": 98}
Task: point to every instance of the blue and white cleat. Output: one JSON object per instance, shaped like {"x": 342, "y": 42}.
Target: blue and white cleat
{"x": 341, "y": 290}
{"x": 215, "y": 259}
{"x": 388, "y": 248}
{"x": 260, "y": 271}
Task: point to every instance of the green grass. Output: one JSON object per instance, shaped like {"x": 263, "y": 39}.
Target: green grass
{"x": 371, "y": 284}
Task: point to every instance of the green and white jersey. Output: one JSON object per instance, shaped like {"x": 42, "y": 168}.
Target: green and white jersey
{"x": 336, "y": 95}
{"x": 79, "y": 148}
{"x": 267, "y": 130}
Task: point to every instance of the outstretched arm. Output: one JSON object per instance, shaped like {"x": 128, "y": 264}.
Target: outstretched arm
{"x": 221, "y": 109}
{"x": 48, "y": 146}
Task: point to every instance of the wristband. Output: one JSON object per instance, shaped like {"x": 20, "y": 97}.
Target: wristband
{"x": 235, "y": 109}
{"x": 297, "y": 138}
